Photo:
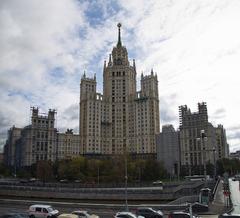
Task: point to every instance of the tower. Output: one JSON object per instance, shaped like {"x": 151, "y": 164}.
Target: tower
{"x": 118, "y": 122}
{"x": 119, "y": 90}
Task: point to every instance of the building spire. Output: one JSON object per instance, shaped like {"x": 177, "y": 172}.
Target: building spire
{"x": 119, "y": 44}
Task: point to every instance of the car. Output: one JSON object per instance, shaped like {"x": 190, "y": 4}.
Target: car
{"x": 158, "y": 182}
{"x": 63, "y": 181}
{"x": 198, "y": 208}
{"x": 41, "y": 210}
{"x": 67, "y": 215}
{"x": 226, "y": 215}
{"x": 148, "y": 212}
{"x": 180, "y": 214}
{"x": 126, "y": 215}
{"x": 14, "y": 215}
{"x": 84, "y": 214}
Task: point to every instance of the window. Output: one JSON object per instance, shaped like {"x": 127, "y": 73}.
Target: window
{"x": 38, "y": 209}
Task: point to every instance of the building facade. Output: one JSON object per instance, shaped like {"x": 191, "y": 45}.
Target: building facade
{"x": 221, "y": 140}
{"x": 168, "y": 149}
{"x": 235, "y": 155}
{"x": 200, "y": 142}
{"x": 39, "y": 141}
{"x": 121, "y": 119}
{"x": 68, "y": 145}
{"x": 10, "y": 148}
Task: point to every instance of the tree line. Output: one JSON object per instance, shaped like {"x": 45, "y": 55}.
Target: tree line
{"x": 111, "y": 170}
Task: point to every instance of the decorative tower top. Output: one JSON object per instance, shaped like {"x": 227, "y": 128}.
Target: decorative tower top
{"x": 119, "y": 44}
{"x": 119, "y": 53}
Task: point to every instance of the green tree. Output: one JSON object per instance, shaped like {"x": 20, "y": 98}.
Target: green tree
{"x": 44, "y": 170}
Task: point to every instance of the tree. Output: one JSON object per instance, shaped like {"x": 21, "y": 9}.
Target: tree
{"x": 44, "y": 170}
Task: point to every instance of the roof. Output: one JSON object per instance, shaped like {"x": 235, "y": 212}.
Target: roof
{"x": 68, "y": 215}
{"x": 41, "y": 205}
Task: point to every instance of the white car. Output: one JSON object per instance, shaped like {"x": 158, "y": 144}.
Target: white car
{"x": 84, "y": 214}
{"x": 126, "y": 215}
{"x": 42, "y": 211}
{"x": 67, "y": 215}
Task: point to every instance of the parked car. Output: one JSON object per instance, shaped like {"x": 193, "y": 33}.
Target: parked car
{"x": 180, "y": 214}
{"x": 84, "y": 214}
{"x": 226, "y": 215}
{"x": 14, "y": 215}
{"x": 198, "y": 208}
{"x": 40, "y": 210}
{"x": 148, "y": 212}
{"x": 126, "y": 215}
{"x": 67, "y": 215}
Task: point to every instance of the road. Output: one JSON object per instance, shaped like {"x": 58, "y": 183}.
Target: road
{"x": 235, "y": 195}
{"x": 21, "y": 206}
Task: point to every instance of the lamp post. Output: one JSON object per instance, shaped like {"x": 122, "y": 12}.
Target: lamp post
{"x": 201, "y": 139}
{"x": 214, "y": 161}
{"x": 126, "y": 183}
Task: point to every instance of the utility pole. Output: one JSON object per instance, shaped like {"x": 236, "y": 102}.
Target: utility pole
{"x": 126, "y": 183}
{"x": 202, "y": 138}
{"x": 214, "y": 160}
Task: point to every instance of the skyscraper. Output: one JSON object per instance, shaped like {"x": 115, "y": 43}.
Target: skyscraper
{"x": 122, "y": 118}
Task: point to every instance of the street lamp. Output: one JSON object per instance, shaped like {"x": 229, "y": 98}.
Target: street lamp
{"x": 126, "y": 183}
{"x": 202, "y": 138}
{"x": 214, "y": 161}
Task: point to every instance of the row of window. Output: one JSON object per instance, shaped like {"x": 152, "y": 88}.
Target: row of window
{"x": 118, "y": 73}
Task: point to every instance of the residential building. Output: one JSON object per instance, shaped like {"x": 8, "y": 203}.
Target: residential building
{"x": 68, "y": 145}
{"x": 235, "y": 155}
{"x": 39, "y": 141}
{"x": 122, "y": 118}
{"x": 11, "y": 145}
{"x": 223, "y": 147}
{"x": 168, "y": 149}
{"x": 200, "y": 142}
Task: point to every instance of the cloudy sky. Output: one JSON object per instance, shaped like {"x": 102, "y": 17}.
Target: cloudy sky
{"x": 193, "y": 46}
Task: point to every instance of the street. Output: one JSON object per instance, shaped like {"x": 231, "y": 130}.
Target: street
{"x": 21, "y": 206}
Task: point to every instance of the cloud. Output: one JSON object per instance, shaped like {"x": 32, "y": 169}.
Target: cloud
{"x": 218, "y": 114}
{"x": 194, "y": 46}
{"x": 167, "y": 114}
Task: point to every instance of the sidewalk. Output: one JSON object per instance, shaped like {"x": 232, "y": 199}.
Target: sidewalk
{"x": 217, "y": 206}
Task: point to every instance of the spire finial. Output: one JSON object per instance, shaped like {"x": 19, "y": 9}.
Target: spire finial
{"x": 119, "y": 34}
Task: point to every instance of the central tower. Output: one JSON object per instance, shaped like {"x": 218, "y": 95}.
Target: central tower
{"x": 119, "y": 90}
{"x": 123, "y": 119}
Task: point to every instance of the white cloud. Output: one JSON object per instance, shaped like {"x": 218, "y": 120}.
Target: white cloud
{"x": 194, "y": 46}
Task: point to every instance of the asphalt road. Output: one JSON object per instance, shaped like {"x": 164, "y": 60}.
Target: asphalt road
{"x": 21, "y": 206}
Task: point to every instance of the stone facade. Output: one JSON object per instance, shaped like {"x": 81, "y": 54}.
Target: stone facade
{"x": 10, "y": 148}
{"x": 200, "y": 142}
{"x": 39, "y": 141}
{"x": 221, "y": 140}
{"x": 121, "y": 119}
{"x": 168, "y": 149}
{"x": 68, "y": 145}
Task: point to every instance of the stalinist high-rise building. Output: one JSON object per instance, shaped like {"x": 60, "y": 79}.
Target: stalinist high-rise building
{"x": 121, "y": 118}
